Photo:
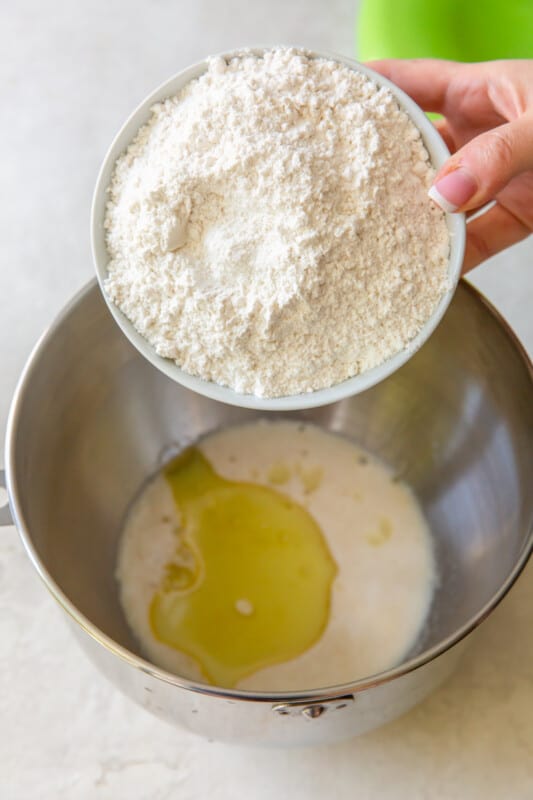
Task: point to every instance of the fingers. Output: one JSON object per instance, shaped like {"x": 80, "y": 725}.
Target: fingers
{"x": 444, "y": 129}
{"x": 484, "y": 166}
{"x": 490, "y": 233}
{"x": 487, "y": 166}
{"x": 426, "y": 80}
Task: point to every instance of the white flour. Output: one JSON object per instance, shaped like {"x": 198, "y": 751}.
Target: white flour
{"x": 269, "y": 229}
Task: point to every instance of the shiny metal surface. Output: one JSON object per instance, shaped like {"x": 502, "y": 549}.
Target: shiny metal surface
{"x": 91, "y": 419}
{"x": 326, "y": 705}
{"x": 5, "y": 513}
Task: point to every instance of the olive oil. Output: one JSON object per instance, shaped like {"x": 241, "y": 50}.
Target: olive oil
{"x": 250, "y": 582}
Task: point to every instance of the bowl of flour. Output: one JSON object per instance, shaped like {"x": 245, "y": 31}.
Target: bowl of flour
{"x": 262, "y": 232}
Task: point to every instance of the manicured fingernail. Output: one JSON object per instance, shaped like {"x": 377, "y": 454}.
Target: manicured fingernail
{"x": 454, "y": 190}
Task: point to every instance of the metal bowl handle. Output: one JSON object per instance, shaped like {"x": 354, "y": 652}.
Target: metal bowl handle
{"x": 5, "y": 513}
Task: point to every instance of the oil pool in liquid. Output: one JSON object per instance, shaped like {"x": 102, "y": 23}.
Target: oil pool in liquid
{"x": 251, "y": 580}
{"x": 275, "y": 556}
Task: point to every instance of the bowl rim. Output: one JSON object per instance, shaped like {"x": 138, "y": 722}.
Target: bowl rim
{"x": 92, "y": 630}
{"x": 438, "y": 152}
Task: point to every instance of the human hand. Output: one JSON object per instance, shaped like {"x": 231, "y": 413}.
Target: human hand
{"x": 488, "y": 126}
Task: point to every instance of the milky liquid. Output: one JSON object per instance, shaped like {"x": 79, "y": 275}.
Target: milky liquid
{"x": 357, "y": 533}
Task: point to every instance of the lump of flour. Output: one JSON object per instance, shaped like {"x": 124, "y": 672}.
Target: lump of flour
{"x": 269, "y": 228}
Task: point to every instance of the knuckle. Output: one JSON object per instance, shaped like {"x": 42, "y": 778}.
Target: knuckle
{"x": 499, "y": 150}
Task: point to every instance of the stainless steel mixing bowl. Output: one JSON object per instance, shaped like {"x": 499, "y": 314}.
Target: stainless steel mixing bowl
{"x": 91, "y": 419}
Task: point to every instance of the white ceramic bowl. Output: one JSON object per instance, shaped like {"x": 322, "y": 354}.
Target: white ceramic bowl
{"x": 456, "y": 224}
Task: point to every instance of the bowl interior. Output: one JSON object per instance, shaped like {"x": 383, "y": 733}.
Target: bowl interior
{"x": 456, "y": 225}
{"x": 456, "y": 422}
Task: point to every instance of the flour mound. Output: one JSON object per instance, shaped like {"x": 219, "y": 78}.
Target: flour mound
{"x": 269, "y": 228}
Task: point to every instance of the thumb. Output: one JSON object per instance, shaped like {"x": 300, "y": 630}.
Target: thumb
{"x": 480, "y": 169}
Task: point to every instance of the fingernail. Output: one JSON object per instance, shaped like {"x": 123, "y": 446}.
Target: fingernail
{"x": 454, "y": 190}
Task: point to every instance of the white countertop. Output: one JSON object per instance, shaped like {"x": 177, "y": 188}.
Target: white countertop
{"x": 69, "y": 74}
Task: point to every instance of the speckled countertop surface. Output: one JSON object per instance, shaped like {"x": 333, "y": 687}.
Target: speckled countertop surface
{"x": 69, "y": 74}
